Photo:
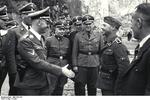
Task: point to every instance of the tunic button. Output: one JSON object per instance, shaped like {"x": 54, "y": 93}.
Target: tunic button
{"x": 89, "y": 53}
{"x": 61, "y": 57}
{"x": 136, "y": 70}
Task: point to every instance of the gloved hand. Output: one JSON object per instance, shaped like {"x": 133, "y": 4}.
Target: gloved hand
{"x": 67, "y": 72}
{"x": 75, "y": 69}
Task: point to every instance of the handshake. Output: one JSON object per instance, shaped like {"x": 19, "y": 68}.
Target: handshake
{"x": 67, "y": 72}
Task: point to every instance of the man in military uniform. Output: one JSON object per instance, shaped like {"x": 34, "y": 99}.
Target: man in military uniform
{"x": 12, "y": 38}
{"x": 77, "y": 27}
{"x": 23, "y": 9}
{"x": 73, "y": 28}
{"x": 58, "y": 52}
{"x": 33, "y": 77}
{"x": 114, "y": 57}
{"x": 67, "y": 27}
{"x": 85, "y": 57}
{"x": 6, "y": 53}
{"x": 136, "y": 79}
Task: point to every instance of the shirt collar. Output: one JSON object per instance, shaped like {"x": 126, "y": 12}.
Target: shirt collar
{"x": 3, "y": 32}
{"x": 38, "y": 36}
{"x": 144, "y": 40}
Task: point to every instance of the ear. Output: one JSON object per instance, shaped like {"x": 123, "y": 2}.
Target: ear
{"x": 39, "y": 22}
{"x": 114, "y": 28}
{"x": 139, "y": 23}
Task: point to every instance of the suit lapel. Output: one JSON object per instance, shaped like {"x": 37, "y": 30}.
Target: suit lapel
{"x": 139, "y": 55}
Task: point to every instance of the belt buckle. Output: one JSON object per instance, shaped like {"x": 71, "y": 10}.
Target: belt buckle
{"x": 61, "y": 57}
{"x": 89, "y": 53}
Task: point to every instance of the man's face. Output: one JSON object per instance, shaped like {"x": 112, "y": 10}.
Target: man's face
{"x": 88, "y": 26}
{"x": 42, "y": 25}
{"x": 106, "y": 28}
{"x": 136, "y": 26}
{"x": 59, "y": 31}
{"x": 67, "y": 30}
{"x": 78, "y": 27}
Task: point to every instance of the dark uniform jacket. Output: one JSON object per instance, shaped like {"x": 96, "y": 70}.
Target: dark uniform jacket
{"x": 12, "y": 38}
{"x": 8, "y": 48}
{"x": 33, "y": 54}
{"x": 86, "y": 50}
{"x": 136, "y": 80}
{"x": 3, "y": 51}
{"x": 114, "y": 61}
{"x": 58, "y": 52}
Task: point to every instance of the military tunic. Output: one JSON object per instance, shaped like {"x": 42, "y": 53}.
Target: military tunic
{"x": 114, "y": 62}
{"x": 85, "y": 56}
{"x": 58, "y": 52}
{"x": 86, "y": 50}
{"x": 36, "y": 69}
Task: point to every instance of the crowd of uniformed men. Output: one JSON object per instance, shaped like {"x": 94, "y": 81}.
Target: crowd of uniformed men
{"x": 75, "y": 49}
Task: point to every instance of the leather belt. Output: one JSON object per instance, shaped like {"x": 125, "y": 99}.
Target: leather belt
{"x": 88, "y": 53}
{"x": 58, "y": 57}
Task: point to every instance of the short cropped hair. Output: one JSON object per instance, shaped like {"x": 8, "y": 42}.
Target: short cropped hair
{"x": 144, "y": 9}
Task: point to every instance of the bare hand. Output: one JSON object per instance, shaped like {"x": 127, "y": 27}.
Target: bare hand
{"x": 67, "y": 72}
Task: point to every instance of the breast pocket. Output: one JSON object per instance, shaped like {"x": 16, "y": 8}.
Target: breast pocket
{"x": 83, "y": 44}
{"x": 108, "y": 57}
{"x": 108, "y": 52}
{"x": 95, "y": 44}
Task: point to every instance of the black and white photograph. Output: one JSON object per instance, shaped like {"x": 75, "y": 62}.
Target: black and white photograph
{"x": 74, "y": 48}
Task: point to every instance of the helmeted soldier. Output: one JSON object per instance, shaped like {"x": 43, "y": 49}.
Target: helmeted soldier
{"x": 114, "y": 57}
{"x": 58, "y": 52}
{"x": 85, "y": 57}
{"x": 33, "y": 78}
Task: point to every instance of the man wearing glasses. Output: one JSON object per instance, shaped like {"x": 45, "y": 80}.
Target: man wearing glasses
{"x": 85, "y": 57}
